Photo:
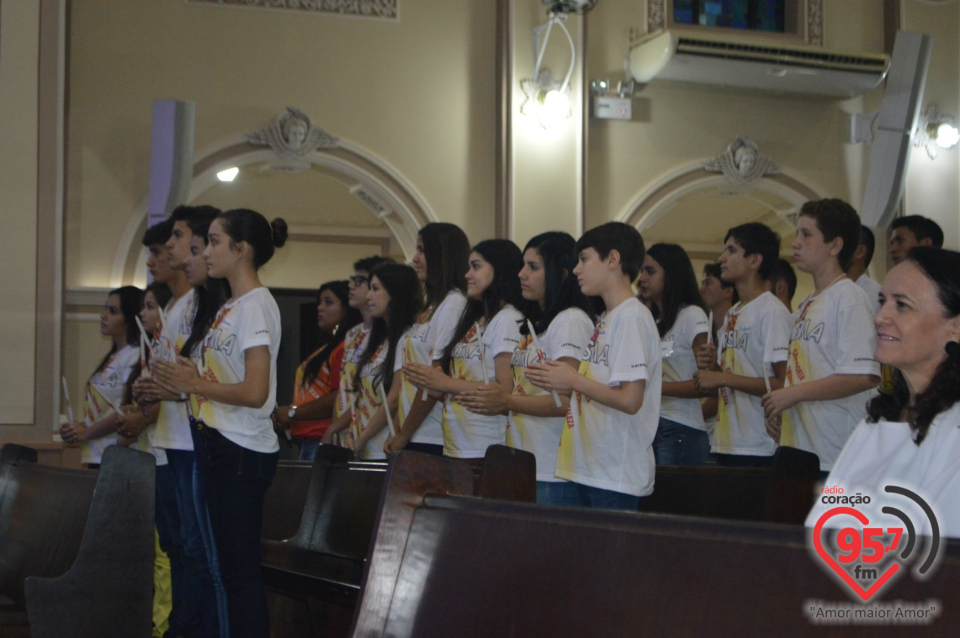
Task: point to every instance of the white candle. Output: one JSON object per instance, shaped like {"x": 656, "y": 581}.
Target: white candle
{"x": 66, "y": 399}
{"x": 710, "y": 328}
{"x": 536, "y": 344}
{"x": 386, "y": 409}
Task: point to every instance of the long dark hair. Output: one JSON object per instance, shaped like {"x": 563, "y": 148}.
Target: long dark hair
{"x": 507, "y": 260}
{"x": 209, "y": 298}
{"x": 561, "y": 290}
{"x": 447, "y": 252}
{"x": 942, "y": 267}
{"x": 160, "y": 292}
{"x": 680, "y": 287}
{"x": 351, "y": 317}
{"x": 131, "y": 299}
{"x": 406, "y": 302}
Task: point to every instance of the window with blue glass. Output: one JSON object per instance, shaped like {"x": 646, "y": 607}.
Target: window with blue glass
{"x": 751, "y": 15}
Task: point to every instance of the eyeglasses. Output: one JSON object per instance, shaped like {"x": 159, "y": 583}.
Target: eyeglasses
{"x": 358, "y": 280}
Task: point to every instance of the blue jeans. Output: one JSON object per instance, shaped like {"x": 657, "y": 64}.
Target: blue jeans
{"x": 206, "y": 531}
{"x": 190, "y": 578}
{"x": 308, "y": 449}
{"x": 678, "y": 444}
{"x": 234, "y": 481}
{"x": 600, "y": 499}
{"x": 557, "y": 493}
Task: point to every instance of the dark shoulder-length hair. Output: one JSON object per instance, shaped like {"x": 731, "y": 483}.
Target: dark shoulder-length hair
{"x": 406, "y": 302}
{"x": 131, "y": 300}
{"x": 507, "y": 260}
{"x": 680, "y": 287}
{"x": 351, "y": 317}
{"x": 942, "y": 267}
{"x": 447, "y": 251}
{"x": 210, "y": 297}
{"x": 557, "y": 250}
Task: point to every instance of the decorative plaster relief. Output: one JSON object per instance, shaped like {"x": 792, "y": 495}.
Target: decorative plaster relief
{"x": 292, "y": 137}
{"x": 359, "y": 8}
{"x": 656, "y": 15}
{"x": 742, "y": 163}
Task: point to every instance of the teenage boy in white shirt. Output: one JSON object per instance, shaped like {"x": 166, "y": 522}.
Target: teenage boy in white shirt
{"x": 830, "y": 367}
{"x": 606, "y": 448}
{"x": 857, "y": 270}
{"x": 752, "y": 345}
{"x": 719, "y": 296}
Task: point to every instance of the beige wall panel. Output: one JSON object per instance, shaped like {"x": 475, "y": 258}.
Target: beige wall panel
{"x": 309, "y": 264}
{"x": 19, "y": 48}
{"x": 418, "y": 92}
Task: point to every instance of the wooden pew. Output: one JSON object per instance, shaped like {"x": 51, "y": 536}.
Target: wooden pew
{"x": 468, "y": 567}
{"x": 313, "y": 578}
{"x": 782, "y": 494}
{"x": 108, "y": 591}
{"x": 42, "y": 516}
{"x": 285, "y": 499}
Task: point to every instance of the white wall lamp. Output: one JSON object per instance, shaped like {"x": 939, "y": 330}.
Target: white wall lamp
{"x": 549, "y": 100}
{"x": 228, "y": 175}
{"x": 936, "y": 131}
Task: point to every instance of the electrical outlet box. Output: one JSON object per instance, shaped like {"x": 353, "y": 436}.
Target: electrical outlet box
{"x": 612, "y": 108}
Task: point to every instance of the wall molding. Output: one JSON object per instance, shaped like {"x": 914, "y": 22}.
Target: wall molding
{"x": 372, "y": 9}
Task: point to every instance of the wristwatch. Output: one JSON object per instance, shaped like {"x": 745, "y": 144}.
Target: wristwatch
{"x": 292, "y": 412}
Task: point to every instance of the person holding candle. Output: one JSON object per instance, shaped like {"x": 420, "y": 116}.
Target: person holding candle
{"x": 394, "y": 301}
{"x": 559, "y": 327}
{"x": 667, "y": 279}
{"x": 480, "y": 351}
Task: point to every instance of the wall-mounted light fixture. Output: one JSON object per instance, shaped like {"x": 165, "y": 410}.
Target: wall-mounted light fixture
{"x": 228, "y": 175}
{"x": 936, "y": 131}
{"x": 547, "y": 99}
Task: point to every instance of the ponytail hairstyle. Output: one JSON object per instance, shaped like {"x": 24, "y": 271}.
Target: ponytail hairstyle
{"x": 447, "y": 252}
{"x": 680, "y": 287}
{"x": 351, "y": 317}
{"x": 406, "y": 302}
{"x": 131, "y": 300}
{"x": 210, "y": 297}
{"x": 561, "y": 290}
{"x": 243, "y": 224}
{"x": 942, "y": 267}
{"x": 507, "y": 260}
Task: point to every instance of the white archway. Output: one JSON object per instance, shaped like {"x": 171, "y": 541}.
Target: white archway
{"x": 381, "y": 188}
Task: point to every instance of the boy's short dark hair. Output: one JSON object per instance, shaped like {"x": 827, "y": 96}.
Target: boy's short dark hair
{"x": 757, "y": 239}
{"x": 713, "y": 270}
{"x": 623, "y": 238}
{"x": 783, "y": 271}
{"x": 158, "y": 234}
{"x": 868, "y": 241}
{"x": 367, "y": 264}
{"x": 836, "y": 218}
{"x": 187, "y": 214}
{"x": 921, "y": 227}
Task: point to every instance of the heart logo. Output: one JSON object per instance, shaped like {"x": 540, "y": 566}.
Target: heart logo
{"x": 865, "y": 594}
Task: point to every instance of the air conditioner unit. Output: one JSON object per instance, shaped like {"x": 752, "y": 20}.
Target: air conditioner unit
{"x": 736, "y": 62}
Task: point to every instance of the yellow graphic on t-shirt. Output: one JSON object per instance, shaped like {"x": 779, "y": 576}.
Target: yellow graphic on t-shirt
{"x": 799, "y": 368}
{"x": 728, "y": 363}
{"x": 453, "y": 412}
{"x": 523, "y": 356}
{"x": 568, "y": 444}
{"x": 96, "y": 408}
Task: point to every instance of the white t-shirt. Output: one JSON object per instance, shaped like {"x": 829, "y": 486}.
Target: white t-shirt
{"x": 104, "y": 391}
{"x": 247, "y": 322}
{"x": 172, "y": 429}
{"x": 872, "y": 289}
{"x": 353, "y": 344}
{"x": 881, "y": 454}
{"x": 467, "y": 435}
{"x": 423, "y": 343}
{"x": 603, "y": 447}
{"x": 833, "y": 333}
{"x": 568, "y": 335}
{"x": 680, "y": 364}
{"x": 754, "y": 337}
{"x": 369, "y": 401}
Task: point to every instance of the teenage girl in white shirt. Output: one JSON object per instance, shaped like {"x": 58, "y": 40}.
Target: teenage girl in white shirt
{"x": 480, "y": 350}
{"x": 231, "y": 400}
{"x": 668, "y": 282}
{"x": 98, "y": 430}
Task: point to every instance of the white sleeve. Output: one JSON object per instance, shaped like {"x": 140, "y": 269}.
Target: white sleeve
{"x": 856, "y": 339}
{"x": 444, "y": 322}
{"x": 503, "y": 333}
{"x": 628, "y": 361}
{"x": 776, "y": 326}
{"x": 568, "y": 336}
{"x": 696, "y": 323}
{"x": 253, "y": 327}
